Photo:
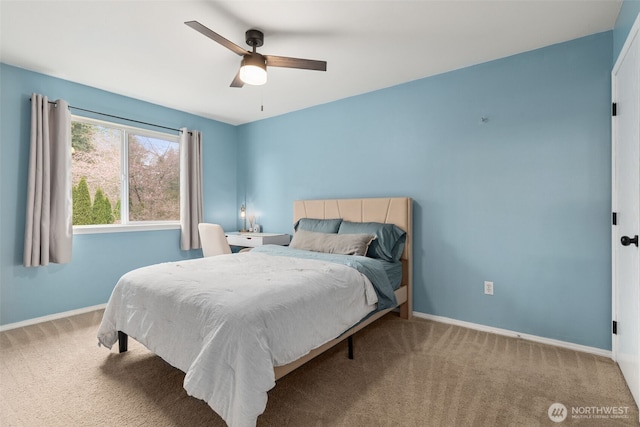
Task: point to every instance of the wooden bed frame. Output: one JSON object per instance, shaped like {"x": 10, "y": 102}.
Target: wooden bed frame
{"x": 390, "y": 210}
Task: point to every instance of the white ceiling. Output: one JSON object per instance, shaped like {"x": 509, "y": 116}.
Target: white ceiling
{"x": 142, "y": 49}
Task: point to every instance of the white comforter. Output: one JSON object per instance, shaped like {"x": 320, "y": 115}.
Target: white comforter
{"x": 228, "y": 320}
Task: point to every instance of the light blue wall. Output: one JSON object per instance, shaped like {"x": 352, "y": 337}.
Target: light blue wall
{"x": 98, "y": 259}
{"x": 522, "y": 200}
{"x": 627, "y": 16}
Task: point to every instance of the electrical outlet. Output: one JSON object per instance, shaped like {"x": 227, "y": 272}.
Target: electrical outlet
{"x": 488, "y": 288}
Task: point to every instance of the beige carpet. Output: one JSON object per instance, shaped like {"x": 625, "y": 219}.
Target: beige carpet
{"x": 405, "y": 373}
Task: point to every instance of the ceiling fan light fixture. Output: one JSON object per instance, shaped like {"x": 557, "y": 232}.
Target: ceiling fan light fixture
{"x": 253, "y": 70}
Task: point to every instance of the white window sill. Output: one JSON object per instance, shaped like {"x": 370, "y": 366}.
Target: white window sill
{"x": 118, "y": 228}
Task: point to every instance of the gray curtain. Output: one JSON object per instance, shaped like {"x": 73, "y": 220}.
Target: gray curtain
{"x": 48, "y": 227}
{"x": 191, "y": 207}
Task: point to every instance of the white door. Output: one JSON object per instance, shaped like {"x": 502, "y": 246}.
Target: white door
{"x": 626, "y": 205}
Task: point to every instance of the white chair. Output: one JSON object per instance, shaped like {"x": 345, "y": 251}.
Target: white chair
{"x": 213, "y": 240}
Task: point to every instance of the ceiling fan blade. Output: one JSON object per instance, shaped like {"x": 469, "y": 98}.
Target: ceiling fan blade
{"x": 237, "y": 81}
{"x": 286, "y": 62}
{"x": 216, "y": 37}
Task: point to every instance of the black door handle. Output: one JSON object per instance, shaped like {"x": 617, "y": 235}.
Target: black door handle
{"x": 626, "y": 240}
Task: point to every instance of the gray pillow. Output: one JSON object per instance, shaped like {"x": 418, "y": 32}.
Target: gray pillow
{"x": 389, "y": 243}
{"x": 331, "y": 243}
{"x": 319, "y": 225}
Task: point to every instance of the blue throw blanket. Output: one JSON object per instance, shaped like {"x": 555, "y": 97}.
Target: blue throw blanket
{"x": 370, "y": 267}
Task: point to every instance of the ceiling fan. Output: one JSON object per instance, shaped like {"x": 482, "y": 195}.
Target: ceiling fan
{"x": 253, "y": 69}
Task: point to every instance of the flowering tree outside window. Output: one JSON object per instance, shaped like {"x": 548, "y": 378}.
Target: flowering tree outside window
{"x": 112, "y": 163}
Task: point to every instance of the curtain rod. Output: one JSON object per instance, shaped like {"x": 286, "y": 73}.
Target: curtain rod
{"x": 118, "y": 117}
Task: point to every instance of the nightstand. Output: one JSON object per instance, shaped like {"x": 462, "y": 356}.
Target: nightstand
{"x": 251, "y": 240}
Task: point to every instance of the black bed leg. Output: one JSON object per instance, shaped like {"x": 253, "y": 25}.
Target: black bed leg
{"x": 122, "y": 341}
{"x": 350, "y": 343}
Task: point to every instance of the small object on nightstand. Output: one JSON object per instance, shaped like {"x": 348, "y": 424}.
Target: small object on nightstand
{"x": 243, "y": 215}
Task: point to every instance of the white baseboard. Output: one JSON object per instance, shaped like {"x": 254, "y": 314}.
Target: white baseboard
{"x": 37, "y": 320}
{"x": 514, "y": 334}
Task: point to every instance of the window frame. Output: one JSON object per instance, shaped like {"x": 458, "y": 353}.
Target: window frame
{"x": 127, "y": 225}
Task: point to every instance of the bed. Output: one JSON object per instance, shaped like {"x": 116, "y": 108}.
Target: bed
{"x": 237, "y": 323}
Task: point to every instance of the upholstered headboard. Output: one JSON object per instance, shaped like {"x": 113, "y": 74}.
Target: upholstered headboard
{"x": 388, "y": 210}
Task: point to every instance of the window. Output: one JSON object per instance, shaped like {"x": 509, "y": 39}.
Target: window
{"x": 112, "y": 163}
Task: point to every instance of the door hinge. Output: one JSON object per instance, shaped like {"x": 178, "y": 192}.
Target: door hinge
{"x": 614, "y": 218}
{"x": 614, "y": 109}
{"x": 614, "y": 327}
